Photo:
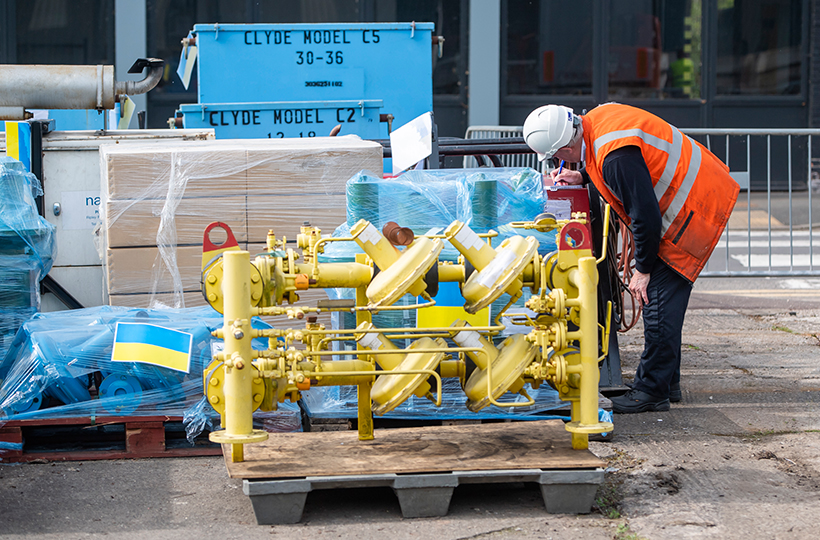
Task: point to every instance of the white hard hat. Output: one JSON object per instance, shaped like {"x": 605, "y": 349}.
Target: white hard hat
{"x": 549, "y": 128}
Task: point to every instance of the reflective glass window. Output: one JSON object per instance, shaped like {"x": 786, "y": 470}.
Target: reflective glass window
{"x": 655, "y": 49}
{"x": 759, "y": 45}
{"x": 65, "y": 32}
{"x": 547, "y": 52}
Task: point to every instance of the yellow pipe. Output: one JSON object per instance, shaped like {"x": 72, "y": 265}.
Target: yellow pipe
{"x": 606, "y": 236}
{"x": 337, "y": 275}
{"x": 238, "y": 356}
{"x": 451, "y": 273}
{"x": 468, "y": 243}
{"x": 468, "y": 337}
{"x": 452, "y": 368}
{"x": 372, "y": 242}
{"x": 585, "y": 278}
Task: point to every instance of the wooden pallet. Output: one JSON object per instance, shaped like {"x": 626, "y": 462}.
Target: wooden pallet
{"x": 314, "y": 423}
{"x": 101, "y": 437}
{"x": 422, "y": 465}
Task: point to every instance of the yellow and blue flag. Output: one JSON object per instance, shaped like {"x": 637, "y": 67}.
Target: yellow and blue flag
{"x": 151, "y": 344}
{"x": 448, "y": 309}
{"x": 18, "y": 142}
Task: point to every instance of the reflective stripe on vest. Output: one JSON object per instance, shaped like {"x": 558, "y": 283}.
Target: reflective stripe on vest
{"x": 673, "y": 150}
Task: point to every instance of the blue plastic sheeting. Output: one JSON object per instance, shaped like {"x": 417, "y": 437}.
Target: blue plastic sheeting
{"x": 340, "y": 402}
{"x": 427, "y": 201}
{"x": 60, "y": 366}
{"x": 27, "y": 248}
{"x": 22, "y": 230}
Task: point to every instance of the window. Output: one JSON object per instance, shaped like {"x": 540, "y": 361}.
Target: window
{"x": 68, "y": 32}
{"x": 654, "y": 49}
{"x": 759, "y": 45}
{"x": 547, "y": 50}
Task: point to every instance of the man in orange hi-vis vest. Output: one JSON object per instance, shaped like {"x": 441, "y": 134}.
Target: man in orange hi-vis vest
{"x": 673, "y": 194}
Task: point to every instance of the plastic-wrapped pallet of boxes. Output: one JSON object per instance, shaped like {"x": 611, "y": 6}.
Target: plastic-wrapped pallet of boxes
{"x": 159, "y": 198}
{"x": 27, "y": 248}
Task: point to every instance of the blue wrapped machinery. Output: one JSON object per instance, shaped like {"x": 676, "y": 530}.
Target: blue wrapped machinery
{"x": 65, "y": 365}
{"x": 429, "y": 200}
{"x": 342, "y": 74}
{"x": 27, "y": 248}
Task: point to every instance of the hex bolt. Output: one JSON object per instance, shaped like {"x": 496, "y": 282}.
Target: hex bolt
{"x": 239, "y": 334}
{"x": 239, "y": 364}
{"x": 254, "y": 278}
{"x": 212, "y": 279}
{"x": 214, "y": 381}
{"x": 212, "y": 297}
{"x": 214, "y": 399}
{"x": 257, "y": 398}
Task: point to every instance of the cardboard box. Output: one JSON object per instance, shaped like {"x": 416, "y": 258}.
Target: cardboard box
{"x": 136, "y": 270}
{"x": 136, "y": 223}
{"x": 173, "y": 170}
{"x": 285, "y": 214}
{"x": 314, "y": 166}
{"x": 190, "y": 299}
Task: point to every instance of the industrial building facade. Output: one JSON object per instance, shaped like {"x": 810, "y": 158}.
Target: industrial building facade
{"x": 696, "y": 63}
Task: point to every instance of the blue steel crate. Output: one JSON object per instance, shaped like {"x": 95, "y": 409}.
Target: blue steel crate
{"x": 284, "y": 119}
{"x": 248, "y": 63}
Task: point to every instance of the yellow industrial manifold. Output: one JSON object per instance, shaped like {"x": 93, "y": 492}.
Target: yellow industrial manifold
{"x": 562, "y": 348}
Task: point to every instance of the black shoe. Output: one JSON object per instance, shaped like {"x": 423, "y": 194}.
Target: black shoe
{"x": 636, "y": 401}
{"x": 675, "y": 394}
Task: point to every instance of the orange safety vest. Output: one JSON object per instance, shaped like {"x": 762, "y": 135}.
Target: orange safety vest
{"x": 693, "y": 187}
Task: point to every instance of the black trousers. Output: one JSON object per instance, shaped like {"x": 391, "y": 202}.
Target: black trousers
{"x": 663, "y": 316}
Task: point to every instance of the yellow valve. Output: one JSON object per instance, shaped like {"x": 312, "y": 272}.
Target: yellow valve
{"x": 498, "y": 271}
{"x": 401, "y": 272}
{"x": 502, "y": 368}
{"x": 390, "y": 391}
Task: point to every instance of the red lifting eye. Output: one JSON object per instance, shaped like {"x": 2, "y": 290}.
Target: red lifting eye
{"x": 574, "y": 236}
{"x": 226, "y": 233}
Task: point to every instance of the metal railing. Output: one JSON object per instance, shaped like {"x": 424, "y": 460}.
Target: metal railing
{"x": 772, "y": 231}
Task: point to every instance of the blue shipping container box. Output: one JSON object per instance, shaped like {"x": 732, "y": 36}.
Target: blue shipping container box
{"x": 255, "y": 63}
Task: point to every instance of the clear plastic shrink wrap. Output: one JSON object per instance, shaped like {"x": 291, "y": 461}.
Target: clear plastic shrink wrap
{"x": 159, "y": 198}
{"x": 427, "y": 201}
{"x": 60, "y": 365}
{"x": 27, "y": 248}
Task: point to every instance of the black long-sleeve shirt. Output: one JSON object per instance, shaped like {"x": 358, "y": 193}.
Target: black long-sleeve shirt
{"x": 627, "y": 176}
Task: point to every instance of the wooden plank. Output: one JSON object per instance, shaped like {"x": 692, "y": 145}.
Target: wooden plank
{"x": 521, "y": 445}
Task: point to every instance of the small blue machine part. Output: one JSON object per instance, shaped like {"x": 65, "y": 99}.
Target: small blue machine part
{"x": 257, "y": 64}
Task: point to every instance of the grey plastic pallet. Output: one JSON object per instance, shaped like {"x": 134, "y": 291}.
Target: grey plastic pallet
{"x": 423, "y": 495}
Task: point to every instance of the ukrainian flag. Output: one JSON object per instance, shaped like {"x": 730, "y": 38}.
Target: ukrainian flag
{"x": 18, "y": 142}
{"x": 151, "y": 344}
{"x": 448, "y": 309}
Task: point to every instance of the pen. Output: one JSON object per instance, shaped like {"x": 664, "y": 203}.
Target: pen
{"x": 561, "y": 168}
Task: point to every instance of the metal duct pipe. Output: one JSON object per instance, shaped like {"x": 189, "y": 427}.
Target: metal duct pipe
{"x": 70, "y": 87}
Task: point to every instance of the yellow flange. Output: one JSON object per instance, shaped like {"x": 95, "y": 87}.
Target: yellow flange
{"x": 514, "y": 355}
{"x": 486, "y": 285}
{"x": 212, "y": 279}
{"x": 405, "y": 274}
{"x": 390, "y": 391}
{"x": 214, "y": 382}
